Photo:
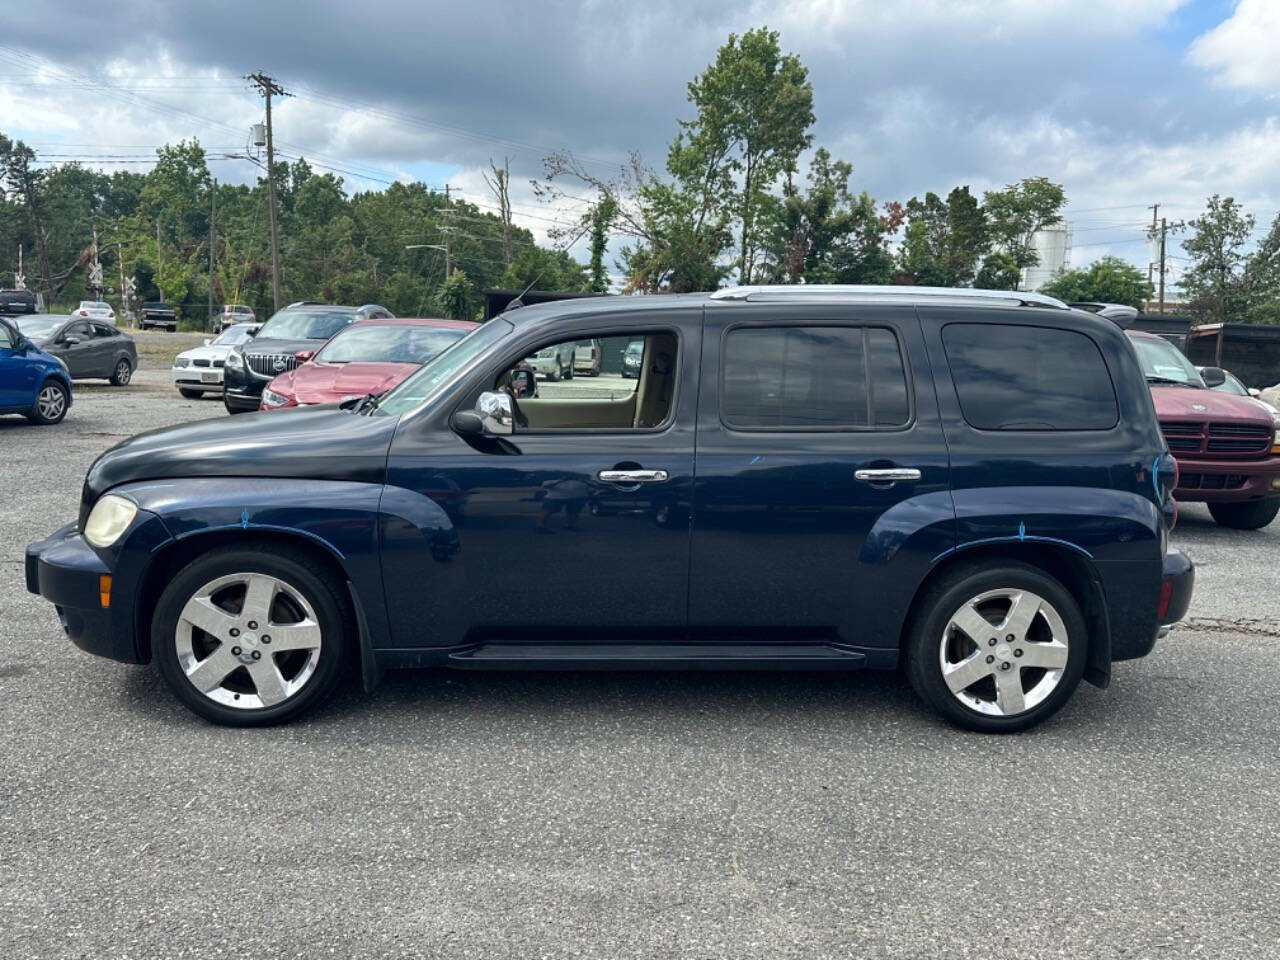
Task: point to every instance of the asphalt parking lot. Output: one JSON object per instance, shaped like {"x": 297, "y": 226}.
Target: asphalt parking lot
{"x": 630, "y": 815}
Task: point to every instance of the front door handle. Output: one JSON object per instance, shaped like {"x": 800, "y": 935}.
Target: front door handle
{"x": 887, "y": 475}
{"x": 632, "y": 476}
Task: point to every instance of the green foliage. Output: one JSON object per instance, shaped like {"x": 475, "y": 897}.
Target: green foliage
{"x": 457, "y": 297}
{"x": 999, "y": 272}
{"x": 1106, "y": 280}
{"x": 545, "y": 270}
{"x": 600, "y": 219}
{"x": 754, "y": 109}
{"x": 1215, "y": 283}
{"x": 1014, "y": 214}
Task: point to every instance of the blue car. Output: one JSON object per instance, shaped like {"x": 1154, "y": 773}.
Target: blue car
{"x": 32, "y": 382}
{"x": 968, "y": 484}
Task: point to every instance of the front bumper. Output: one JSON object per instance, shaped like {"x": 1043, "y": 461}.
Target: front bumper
{"x": 1177, "y": 580}
{"x": 194, "y": 378}
{"x": 241, "y": 388}
{"x": 1227, "y": 481}
{"x": 67, "y": 572}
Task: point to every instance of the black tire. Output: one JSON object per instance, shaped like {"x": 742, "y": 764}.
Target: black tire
{"x": 123, "y": 373}
{"x": 52, "y": 401}
{"x": 1248, "y": 515}
{"x": 191, "y": 394}
{"x": 568, "y": 371}
{"x": 554, "y": 376}
{"x": 303, "y": 574}
{"x": 941, "y": 599}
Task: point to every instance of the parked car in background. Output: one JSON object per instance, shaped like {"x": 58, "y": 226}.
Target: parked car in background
{"x": 198, "y": 371}
{"x": 233, "y": 313}
{"x": 586, "y": 358}
{"x": 17, "y": 301}
{"x": 1270, "y": 395}
{"x": 1231, "y": 384}
{"x": 1226, "y": 446}
{"x": 95, "y": 310}
{"x": 89, "y": 348}
{"x": 157, "y": 314}
{"x": 299, "y": 326}
{"x": 969, "y": 484}
{"x": 32, "y": 382}
{"x": 632, "y": 358}
{"x": 554, "y": 363}
{"x": 367, "y": 358}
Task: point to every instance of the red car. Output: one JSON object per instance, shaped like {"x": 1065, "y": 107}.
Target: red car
{"x": 369, "y": 356}
{"x": 1227, "y": 447}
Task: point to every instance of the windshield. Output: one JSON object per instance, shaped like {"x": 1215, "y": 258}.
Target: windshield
{"x": 38, "y": 328}
{"x": 232, "y": 336}
{"x": 434, "y": 376}
{"x": 1161, "y": 360}
{"x": 309, "y": 324}
{"x": 388, "y": 344}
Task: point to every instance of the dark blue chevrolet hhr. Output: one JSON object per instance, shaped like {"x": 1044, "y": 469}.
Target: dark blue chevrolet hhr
{"x": 970, "y": 485}
{"x": 32, "y": 382}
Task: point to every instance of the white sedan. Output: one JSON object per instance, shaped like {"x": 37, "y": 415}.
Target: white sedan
{"x": 199, "y": 370}
{"x": 95, "y": 310}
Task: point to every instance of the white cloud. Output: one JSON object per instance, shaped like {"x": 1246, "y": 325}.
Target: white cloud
{"x": 1243, "y": 50}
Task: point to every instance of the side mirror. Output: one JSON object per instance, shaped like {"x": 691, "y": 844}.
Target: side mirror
{"x": 253, "y": 333}
{"x": 1255, "y": 392}
{"x": 70, "y": 341}
{"x": 1213, "y": 376}
{"x": 302, "y": 356}
{"x": 207, "y": 341}
{"x": 492, "y": 417}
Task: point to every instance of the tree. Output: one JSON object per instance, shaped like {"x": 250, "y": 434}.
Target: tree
{"x": 944, "y": 240}
{"x": 1013, "y": 216}
{"x": 1106, "y": 280}
{"x": 500, "y": 186}
{"x": 457, "y": 297}
{"x": 601, "y": 217}
{"x": 1214, "y": 283}
{"x": 754, "y": 109}
{"x": 545, "y": 270}
{"x": 1262, "y": 278}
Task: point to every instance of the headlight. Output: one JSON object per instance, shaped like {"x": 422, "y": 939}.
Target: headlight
{"x": 179, "y": 362}
{"x": 109, "y": 518}
{"x": 272, "y": 399}
{"x": 234, "y": 359}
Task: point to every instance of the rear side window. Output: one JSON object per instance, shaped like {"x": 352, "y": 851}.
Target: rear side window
{"x": 1010, "y": 377}
{"x": 816, "y": 377}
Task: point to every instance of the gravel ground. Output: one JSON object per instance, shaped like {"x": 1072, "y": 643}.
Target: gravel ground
{"x": 622, "y": 815}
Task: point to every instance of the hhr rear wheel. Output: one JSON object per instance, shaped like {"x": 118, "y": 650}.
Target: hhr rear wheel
{"x": 249, "y": 637}
{"x": 1250, "y": 515}
{"x": 997, "y": 649}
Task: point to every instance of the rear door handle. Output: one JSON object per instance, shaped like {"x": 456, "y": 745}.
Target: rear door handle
{"x": 887, "y": 474}
{"x": 632, "y": 476}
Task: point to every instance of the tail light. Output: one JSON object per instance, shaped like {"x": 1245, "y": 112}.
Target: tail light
{"x": 1166, "y": 595}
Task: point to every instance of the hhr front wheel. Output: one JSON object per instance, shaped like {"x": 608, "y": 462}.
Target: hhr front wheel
{"x": 997, "y": 649}
{"x": 251, "y": 637}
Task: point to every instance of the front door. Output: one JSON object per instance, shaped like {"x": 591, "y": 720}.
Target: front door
{"x": 17, "y": 374}
{"x": 77, "y": 356}
{"x": 573, "y": 529}
{"x": 820, "y": 458}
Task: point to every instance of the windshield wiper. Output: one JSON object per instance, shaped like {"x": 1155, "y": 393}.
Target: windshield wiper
{"x": 368, "y": 402}
{"x": 1169, "y": 380}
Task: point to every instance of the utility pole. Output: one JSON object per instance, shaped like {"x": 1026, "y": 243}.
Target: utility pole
{"x": 158, "y": 257}
{"x": 124, "y": 296}
{"x": 1162, "y": 232}
{"x": 268, "y": 87}
{"x": 446, "y": 230}
{"x": 1155, "y": 209}
{"x": 213, "y": 239}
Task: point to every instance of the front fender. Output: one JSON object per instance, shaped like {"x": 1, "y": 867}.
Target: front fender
{"x": 339, "y": 518}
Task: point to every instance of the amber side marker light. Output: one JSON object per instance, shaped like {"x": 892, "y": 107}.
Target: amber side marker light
{"x": 104, "y": 590}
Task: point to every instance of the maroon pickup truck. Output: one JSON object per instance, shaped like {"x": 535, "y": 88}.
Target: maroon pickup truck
{"x": 1227, "y": 447}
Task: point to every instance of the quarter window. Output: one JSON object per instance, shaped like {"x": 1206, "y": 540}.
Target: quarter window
{"x": 814, "y": 377}
{"x": 1011, "y": 377}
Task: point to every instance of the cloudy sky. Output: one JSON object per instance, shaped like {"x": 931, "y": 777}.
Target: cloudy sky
{"x": 1125, "y": 102}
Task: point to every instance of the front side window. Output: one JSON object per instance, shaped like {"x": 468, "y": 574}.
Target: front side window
{"x": 1012, "y": 377}
{"x": 623, "y": 396}
{"x": 813, "y": 378}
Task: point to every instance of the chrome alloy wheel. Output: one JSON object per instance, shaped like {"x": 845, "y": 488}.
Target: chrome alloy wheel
{"x": 1003, "y": 652}
{"x": 248, "y": 640}
{"x": 51, "y": 402}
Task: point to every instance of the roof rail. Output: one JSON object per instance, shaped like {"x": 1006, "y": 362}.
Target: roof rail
{"x": 873, "y": 292}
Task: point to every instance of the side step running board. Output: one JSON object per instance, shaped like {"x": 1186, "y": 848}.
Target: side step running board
{"x": 657, "y": 656}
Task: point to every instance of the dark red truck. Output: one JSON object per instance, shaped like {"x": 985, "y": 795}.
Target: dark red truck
{"x": 1227, "y": 447}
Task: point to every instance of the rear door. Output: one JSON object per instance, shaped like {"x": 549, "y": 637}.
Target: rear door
{"x": 821, "y": 473}
{"x": 106, "y": 345}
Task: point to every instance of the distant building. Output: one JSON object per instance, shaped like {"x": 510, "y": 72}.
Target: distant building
{"x": 1053, "y": 246}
